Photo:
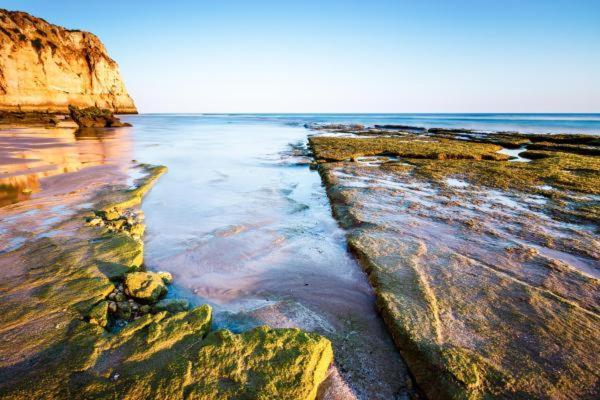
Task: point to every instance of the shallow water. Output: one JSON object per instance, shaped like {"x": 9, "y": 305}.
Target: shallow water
{"x": 243, "y": 224}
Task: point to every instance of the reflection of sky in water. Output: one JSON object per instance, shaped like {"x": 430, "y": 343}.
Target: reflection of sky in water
{"x": 514, "y": 154}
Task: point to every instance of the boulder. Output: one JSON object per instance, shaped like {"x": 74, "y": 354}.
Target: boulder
{"x": 94, "y": 117}
{"x": 145, "y": 286}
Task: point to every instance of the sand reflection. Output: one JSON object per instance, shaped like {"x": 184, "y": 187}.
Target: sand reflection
{"x": 51, "y": 173}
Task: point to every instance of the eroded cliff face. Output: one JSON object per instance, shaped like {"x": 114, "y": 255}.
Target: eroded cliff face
{"x": 44, "y": 68}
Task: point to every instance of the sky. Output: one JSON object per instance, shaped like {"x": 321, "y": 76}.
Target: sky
{"x": 346, "y": 56}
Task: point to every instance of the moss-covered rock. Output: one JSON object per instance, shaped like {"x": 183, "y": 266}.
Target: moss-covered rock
{"x": 94, "y": 117}
{"x": 172, "y": 305}
{"x": 145, "y": 286}
{"x": 328, "y": 148}
{"x": 99, "y": 314}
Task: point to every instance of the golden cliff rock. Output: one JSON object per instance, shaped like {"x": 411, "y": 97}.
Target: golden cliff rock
{"x": 44, "y": 68}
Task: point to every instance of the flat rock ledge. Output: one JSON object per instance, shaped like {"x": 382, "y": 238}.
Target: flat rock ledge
{"x": 484, "y": 299}
{"x": 56, "y": 342}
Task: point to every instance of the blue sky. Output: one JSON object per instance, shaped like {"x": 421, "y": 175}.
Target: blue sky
{"x": 346, "y": 56}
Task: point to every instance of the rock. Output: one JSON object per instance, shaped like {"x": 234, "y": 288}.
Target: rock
{"x": 124, "y": 310}
{"x": 166, "y": 277}
{"x": 118, "y": 223}
{"x": 99, "y": 314}
{"x": 119, "y": 297}
{"x": 145, "y": 309}
{"x": 137, "y": 229}
{"x": 145, "y": 286}
{"x": 110, "y": 214}
{"x": 112, "y": 307}
{"x": 46, "y": 67}
{"x": 53, "y": 352}
{"x": 471, "y": 319}
{"x": 94, "y": 117}
{"x": 95, "y": 222}
{"x": 171, "y": 305}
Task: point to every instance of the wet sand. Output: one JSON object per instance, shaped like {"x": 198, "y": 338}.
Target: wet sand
{"x": 48, "y": 174}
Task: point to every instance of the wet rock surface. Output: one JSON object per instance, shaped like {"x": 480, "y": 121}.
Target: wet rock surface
{"x": 94, "y": 117}
{"x": 73, "y": 330}
{"x": 485, "y": 270}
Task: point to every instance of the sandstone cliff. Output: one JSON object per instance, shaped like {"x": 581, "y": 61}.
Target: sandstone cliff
{"x": 44, "y": 68}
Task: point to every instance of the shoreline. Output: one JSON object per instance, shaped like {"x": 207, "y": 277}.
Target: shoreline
{"x": 60, "y": 335}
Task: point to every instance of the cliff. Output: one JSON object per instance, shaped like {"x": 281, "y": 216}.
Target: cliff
{"x": 45, "y": 68}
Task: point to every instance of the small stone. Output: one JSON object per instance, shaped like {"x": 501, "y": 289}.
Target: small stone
{"x": 112, "y": 296}
{"x": 95, "y": 221}
{"x": 145, "y": 309}
{"x": 118, "y": 223}
{"x": 124, "y": 310}
{"x": 112, "y": 307}
{"x": 120, "y": 297}
{"x": 109, "y": 215}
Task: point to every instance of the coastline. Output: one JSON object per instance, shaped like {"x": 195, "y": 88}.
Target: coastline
{"x": 63, "y": 281}
{"x": 402, "y": 169}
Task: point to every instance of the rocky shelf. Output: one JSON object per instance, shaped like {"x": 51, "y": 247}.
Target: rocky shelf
{"x": 485, "y": 265}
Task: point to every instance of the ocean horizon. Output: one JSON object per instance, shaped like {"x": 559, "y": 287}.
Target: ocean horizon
{"x": 554, "y": 123}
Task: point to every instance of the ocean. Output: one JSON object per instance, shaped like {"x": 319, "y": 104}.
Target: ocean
{"x": 488, "y": 122}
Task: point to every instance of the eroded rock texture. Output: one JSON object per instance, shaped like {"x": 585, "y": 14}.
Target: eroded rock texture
{"x": 44, "y": 68}
{"x": 485, "y": 268}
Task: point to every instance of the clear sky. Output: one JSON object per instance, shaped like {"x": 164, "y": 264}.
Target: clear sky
{"x": 346, "y": 56}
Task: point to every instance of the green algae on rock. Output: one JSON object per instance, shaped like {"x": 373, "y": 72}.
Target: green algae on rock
{"x": 172, "y": 305}
{"x": 55, "y": 344}
{"x": 145, "y": 286}
{"x": 94, "y": 117}
{"x": 486, "y": 290}
{"x": 343, "y": 148}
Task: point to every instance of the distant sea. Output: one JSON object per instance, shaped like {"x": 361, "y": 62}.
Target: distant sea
{"x": 525, "y": 123}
